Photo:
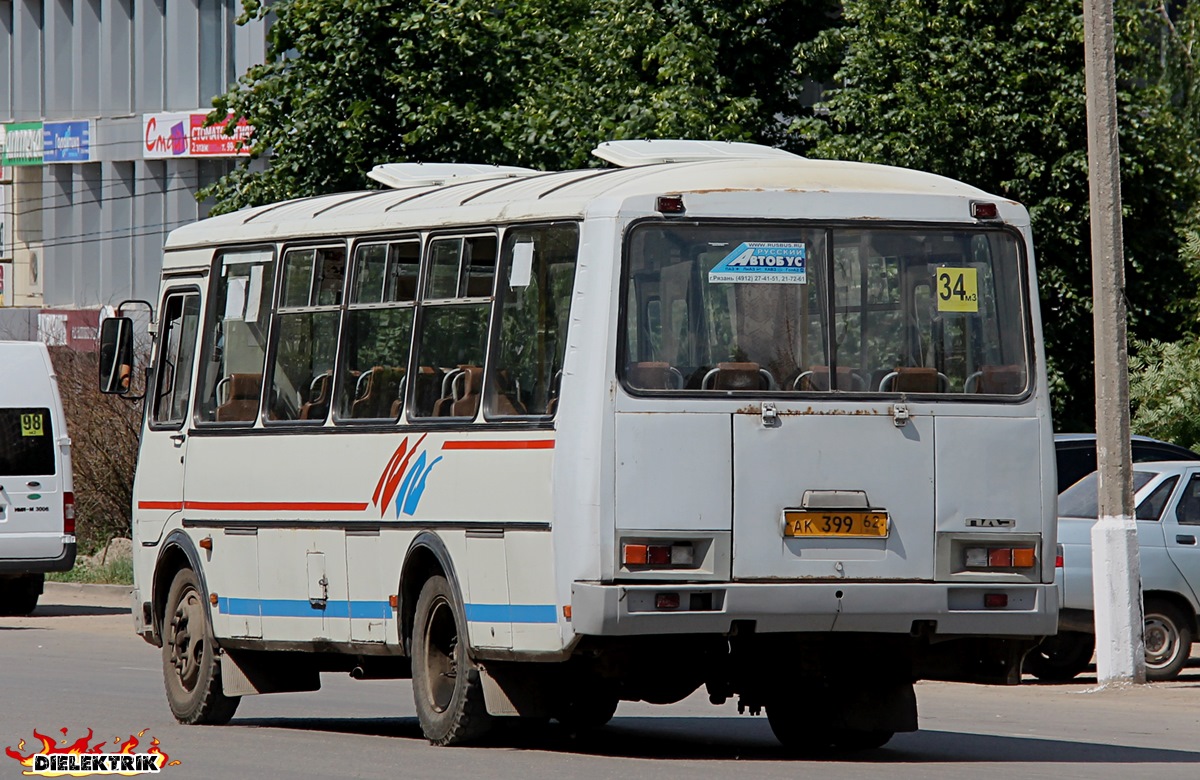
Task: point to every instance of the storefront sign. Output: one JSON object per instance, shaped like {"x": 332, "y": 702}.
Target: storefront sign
{"x": 67, "y": 142}
{"x": 22, "y": 143}
{"x": 184, "y": 135}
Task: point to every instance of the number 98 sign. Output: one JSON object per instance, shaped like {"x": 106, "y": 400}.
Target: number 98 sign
{"x": 957, "y": 289}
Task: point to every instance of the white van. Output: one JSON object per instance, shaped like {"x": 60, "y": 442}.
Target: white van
{"x": 37, "y": 507}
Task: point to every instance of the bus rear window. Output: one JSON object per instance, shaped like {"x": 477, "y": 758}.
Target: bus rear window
{"x": 26, "y": 443}
{"x": 804, "y": 308}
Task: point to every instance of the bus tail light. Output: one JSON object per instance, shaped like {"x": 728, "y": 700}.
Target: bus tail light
{"x": 983, "y": 210}
{"x": 666, "y": 601}
{"x": 1000, "y": 557}
{"x": 68, "y": 514}
{"x": 995, "y": 600}
{"x": 670, "y": 204}
{"x": 662, "y": 554}
{"x": 1058, "y": 557}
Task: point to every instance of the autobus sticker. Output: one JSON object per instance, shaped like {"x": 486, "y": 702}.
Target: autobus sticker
{"x": 755, "y": 262}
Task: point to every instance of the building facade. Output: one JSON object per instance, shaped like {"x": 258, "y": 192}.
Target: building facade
{"x": 102, "y": 105}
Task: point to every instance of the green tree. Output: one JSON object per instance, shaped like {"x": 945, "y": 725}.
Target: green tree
{"x": 993, "y": 94}
{"x": 348, "y": 85}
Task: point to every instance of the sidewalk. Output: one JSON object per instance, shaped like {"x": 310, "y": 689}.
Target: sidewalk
{"x": 77, "y": 593}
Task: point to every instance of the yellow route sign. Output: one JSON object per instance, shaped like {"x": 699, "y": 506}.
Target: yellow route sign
{"x": 957, "y": 289}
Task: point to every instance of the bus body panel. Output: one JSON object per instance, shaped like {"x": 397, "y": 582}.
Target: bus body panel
{"x": 843, "y": 450}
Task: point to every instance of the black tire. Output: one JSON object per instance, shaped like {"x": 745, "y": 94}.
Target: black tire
{"x": 191, "y": 668}
{"x": 586, "y": 706}
{"x": 1059, "y": 658}
{"x": 446, "y": 686}
{"x": 797, "y": 730}
{"x": 853, "y": 741}
{"x": 19, "y": 596}
{"x": 1168, "y": 637}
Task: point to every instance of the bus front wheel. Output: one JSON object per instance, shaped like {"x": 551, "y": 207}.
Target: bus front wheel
{"x": 191, "y": 669}
{"x": 446, "y": 686}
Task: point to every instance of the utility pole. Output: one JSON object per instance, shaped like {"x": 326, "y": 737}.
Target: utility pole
{"x": 1116, "y": 575}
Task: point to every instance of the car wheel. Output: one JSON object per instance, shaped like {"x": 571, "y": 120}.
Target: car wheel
{"x": 19, "y": 596}
{"x": 191, "y": 668}
{"x": 1168, "y": 637}
{"x": 1059, "y": 658}
{"x": 447, "y": 690}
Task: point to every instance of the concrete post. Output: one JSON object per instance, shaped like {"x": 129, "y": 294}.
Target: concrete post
{"x": 1116, "y": 577}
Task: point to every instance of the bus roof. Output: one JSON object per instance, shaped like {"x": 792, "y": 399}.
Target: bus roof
{"x": 556, "y": 195}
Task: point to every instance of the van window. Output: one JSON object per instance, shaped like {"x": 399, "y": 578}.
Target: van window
{"x": 26, "y": 443}
{"x": 236, "y": 341}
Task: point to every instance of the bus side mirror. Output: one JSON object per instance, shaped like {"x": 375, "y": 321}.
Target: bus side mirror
{"x": 116, "y": 355}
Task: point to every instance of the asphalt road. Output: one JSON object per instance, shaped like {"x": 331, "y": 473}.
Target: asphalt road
{"x": 75, "y": 664}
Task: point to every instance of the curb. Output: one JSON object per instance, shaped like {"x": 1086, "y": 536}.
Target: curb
{"x": 120, "y": 592}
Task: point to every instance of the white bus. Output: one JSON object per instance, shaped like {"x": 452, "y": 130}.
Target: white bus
{"x": 716, "y": 416}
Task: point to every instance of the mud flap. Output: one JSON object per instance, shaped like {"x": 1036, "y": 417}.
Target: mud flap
{"x": 247, "y": 673}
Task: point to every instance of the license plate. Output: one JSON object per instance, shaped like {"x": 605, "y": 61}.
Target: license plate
{"x": 824, "y": 522}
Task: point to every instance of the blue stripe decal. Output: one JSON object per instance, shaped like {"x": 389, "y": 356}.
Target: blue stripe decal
{"x": 302, "y": 608}
{"x": 511, "y": 613}
{"x": 476, "y": 613}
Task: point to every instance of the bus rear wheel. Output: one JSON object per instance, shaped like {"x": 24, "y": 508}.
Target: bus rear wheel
{"x": 446, "y": 688}
{"x": 191, "y": 669}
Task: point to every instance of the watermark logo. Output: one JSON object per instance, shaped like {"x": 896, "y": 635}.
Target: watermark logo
{"x": 62, "y": 758}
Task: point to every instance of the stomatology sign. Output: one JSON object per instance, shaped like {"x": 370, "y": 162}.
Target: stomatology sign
{"x": 769, "y": 262}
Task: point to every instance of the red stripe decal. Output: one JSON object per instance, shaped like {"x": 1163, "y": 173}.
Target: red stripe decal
{"x": 528, "y": 444}
{"x": 276, "y": 506}
{"x": 168, "y": 505}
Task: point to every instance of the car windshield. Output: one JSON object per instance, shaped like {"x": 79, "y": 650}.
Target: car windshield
{"x": 1082, "y": 499}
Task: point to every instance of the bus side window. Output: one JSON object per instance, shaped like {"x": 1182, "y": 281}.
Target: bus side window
{"x": 538, "y": 276}
{"x": 176, "y": 353}
{"x": 453, "y": 326}
{"x": 235, "y": 345}
{"x": 378, "y": 331}
{"x": 306, "y": 334}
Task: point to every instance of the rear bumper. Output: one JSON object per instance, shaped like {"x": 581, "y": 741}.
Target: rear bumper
{"x": 886, "y": 607}
{"x": 63, "y": 562}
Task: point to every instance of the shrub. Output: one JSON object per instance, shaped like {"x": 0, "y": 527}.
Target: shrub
{"x": 104, "y": 432}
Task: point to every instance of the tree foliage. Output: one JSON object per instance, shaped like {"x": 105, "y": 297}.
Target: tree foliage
{"x": 348, "y": 85}
{"x": 993, "y": 94}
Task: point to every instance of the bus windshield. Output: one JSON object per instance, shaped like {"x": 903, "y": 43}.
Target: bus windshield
{"x": 808, "y": 308}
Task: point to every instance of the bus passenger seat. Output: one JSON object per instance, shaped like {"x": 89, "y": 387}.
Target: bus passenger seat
{"x": 737, "y": 376}
{"x": 997, "y": 380}
{"x": 915, "y": 379}
{"x": 243, "y": 398}
{"x": 317, "y": 405}
{"x": 817, "y": 378}
{"x": 655, "y": 375}
{"x": 466, "y": 390}
{"x": 382, "y": 391}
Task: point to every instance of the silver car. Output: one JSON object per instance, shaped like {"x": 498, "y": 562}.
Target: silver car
{"x": 1167, "y": 497}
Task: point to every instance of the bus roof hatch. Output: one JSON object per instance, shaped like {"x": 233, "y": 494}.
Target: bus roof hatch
{"x": 627, "y": 154}
{"x": 401, "y": 175}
